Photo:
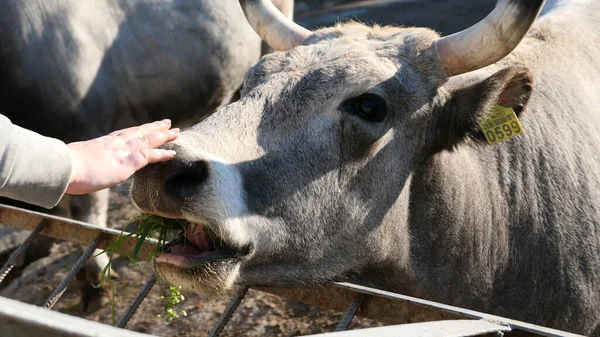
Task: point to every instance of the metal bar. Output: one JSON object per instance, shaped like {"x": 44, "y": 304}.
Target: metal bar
{"x": 226, "y": 315}
{"x": 133, "y": 306}
{"x": 12, "y": 259}
{"x": 466, "y": 313}
{"x": 350, "y": 313}
{"x": 62, "y": 286}
{"x": 454, "y": 328}
{"x": 385, "y": 310}
{"x": 394, "y": 308}
{"x": 19, "y": 319}
{"x": 74, "y": 231}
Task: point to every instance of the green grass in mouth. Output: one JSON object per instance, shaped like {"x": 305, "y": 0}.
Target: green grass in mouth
{"x": 162, "y": 229}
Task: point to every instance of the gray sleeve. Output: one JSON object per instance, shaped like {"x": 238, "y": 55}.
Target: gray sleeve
{"x": 33, "y": 168}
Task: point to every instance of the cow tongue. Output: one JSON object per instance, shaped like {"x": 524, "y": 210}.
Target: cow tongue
{"x": 185, "y": 249}
{"x": 196, "y": 235}
{"x": 184, "y": 254}
{"x": 197, "y": 245}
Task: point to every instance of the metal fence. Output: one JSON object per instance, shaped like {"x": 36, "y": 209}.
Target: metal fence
{"x": 20, "y": 319}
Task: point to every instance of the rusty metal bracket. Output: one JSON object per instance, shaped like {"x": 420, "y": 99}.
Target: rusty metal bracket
{"x": 12, "y": 259}
{"x": 235, "y": 301}
{"x": 350, "y": 313}
{"x": 62, "y": 286}
{"x": 134, "y": 305}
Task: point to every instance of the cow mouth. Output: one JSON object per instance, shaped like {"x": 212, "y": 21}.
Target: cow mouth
{"x": 200, "y": 245}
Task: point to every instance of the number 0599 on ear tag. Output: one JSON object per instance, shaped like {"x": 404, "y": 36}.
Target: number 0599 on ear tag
{"x": 500, "y": 124}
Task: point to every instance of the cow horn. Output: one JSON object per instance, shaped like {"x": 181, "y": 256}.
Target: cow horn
{"x": 491, "y": 39}
{"x": 274, "y": 28}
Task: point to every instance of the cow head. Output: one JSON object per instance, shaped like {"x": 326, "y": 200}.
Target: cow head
{"x": 304, "y": 179}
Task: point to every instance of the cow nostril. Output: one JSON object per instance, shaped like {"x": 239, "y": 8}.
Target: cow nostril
{"x": 186, "y": 179}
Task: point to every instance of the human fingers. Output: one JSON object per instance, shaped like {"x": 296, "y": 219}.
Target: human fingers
{"x": 143, "y": 157}
{"x": 142, "y": 130}
{"x": 152, "y": 140}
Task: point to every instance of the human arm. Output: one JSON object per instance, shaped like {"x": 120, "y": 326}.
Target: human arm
{"x": 33, "y": 168}
{"x": 39, "y": 170}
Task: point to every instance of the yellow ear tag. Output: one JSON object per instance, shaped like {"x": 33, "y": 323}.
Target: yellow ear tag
{"x": 500, "y": 124}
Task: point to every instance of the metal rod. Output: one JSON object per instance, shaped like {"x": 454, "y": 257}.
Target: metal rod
{"x": 226, "y": 315}
{"x": 57, "y": 293}
{"x": 350, "y": 313}
{"x": 76, "y": 231}
{"x": 134, "y": 305}
{"x": 12, "y": 259}
{"x": 525, "y": 329}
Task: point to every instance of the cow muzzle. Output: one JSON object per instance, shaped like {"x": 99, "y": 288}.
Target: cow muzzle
{"x": 208, "y": 194}
{"x": 166, "y": 188}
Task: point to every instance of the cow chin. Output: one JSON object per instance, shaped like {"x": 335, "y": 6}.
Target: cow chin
{"x": 209, "y": 279}
{"x": 201, "y": 261}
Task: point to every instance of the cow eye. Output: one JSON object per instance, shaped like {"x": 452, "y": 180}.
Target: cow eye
{"x": 367, "y": 106}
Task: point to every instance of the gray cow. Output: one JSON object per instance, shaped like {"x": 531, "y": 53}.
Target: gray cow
{"x": 358, "y": 154}
{"x": 75, "y": 70}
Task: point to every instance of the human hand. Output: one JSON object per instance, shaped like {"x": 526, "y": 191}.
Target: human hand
{"x": 109, "y": 160}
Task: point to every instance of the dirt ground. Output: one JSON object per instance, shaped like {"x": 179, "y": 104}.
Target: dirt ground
{"x": 260, "y": 314}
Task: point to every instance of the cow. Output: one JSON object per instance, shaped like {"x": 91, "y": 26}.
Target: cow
{"x": 358, "y": 153}
{"x": 77, "y": 70}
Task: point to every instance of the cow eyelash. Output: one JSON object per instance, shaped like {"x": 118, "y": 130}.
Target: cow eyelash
{"x": 370, "y": 107}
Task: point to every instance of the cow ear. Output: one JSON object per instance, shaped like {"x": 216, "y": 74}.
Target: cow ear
{"x": 460, "y": 116}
